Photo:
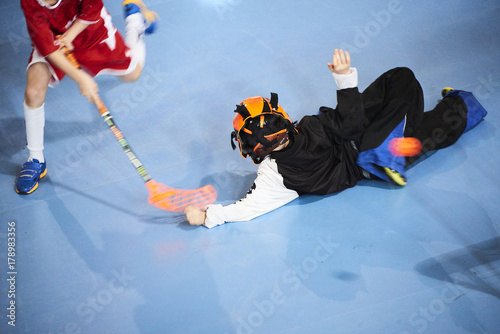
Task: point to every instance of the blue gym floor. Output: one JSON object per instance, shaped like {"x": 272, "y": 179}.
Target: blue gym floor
{"x": 92, "y": 256}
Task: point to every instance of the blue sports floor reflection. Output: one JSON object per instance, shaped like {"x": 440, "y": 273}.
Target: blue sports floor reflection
{"x": 92, "y": 256}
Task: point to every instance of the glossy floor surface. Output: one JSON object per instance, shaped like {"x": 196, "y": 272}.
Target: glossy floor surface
{"x": 92, "y": 256}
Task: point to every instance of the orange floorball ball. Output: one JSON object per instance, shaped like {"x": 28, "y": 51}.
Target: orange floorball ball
{"x": 405, "y": 146}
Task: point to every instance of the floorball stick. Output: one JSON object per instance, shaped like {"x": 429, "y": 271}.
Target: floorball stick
{"x": 160, "y": 195}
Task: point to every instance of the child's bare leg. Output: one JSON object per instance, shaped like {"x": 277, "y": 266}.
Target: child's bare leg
{"x": 38, "y": 78}
{"x": 134, "y": 76}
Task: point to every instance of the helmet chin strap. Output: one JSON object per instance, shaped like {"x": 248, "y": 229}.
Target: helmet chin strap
{"x": 234, "y": 136}
{"x": 283, "y": 143}
{"x": 264, "y": 150}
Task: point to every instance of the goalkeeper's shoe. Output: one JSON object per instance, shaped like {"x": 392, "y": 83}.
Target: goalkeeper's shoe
{"x": 395, "y": 176}
{"x": 150, "y": 17}
{"x": 445, "y": 91}
{"x": 29, "y": 176}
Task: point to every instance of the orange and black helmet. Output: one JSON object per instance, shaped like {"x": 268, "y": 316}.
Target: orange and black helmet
{"x": 260, "y": 125}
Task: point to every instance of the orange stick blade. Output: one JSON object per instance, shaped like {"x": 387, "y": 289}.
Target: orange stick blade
{"x": 176, "y": 200}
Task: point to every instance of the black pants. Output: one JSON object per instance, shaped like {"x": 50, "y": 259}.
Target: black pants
{"x": 397, "y": 94}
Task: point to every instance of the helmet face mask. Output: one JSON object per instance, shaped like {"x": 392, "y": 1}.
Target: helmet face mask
{"x": 260, "y": 126}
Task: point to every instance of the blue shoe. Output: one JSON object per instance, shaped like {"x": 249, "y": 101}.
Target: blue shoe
{"x": 150, "y": 17}
{"x": 31, "y": 172}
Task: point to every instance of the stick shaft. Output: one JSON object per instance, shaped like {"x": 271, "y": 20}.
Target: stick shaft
{"x": 106, "y": 115}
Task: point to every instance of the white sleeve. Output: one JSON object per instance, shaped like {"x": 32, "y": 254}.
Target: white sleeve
{"x": 344, "y": 81}
{"x": 268, "y": 193}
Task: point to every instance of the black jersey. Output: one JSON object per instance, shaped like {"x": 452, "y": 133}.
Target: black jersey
{"x": 321, "y": 158}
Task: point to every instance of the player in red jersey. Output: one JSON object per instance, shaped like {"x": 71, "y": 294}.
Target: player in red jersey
{"x": 85, "y": 27}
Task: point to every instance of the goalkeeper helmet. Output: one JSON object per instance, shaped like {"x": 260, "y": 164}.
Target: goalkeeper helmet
{"x": 260, "y": 125}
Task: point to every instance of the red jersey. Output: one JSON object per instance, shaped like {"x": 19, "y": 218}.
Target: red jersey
{"x": 45, "y": 22}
